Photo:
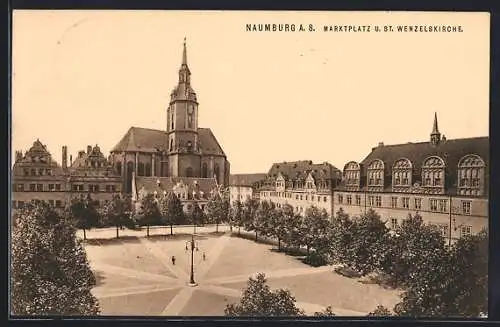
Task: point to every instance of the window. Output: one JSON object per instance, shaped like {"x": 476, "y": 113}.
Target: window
{"x": 108, "y": 188}
{"x": 470, "y": 172}
{"x": 58, "y": 203}
{"x": 433, "y": 204}
{"x": 378, "y": 201}
{"x": 306, "y": 197}
{"x": 433, "y": 170}
{"x": 375, "y": 172}
{"x": 296, "y": 196}
{"x": 349, "y": 199}
{"x": 466, "y": 207}
{"x": 371, "y": 200}
{"x": 340, "y": 198}
{"x": 39, "y": 187}
{"x": 49, "y": 172}
{"x": 33, "y": 172}
{"x": 418, "y": 203}
{"x": 465, "y": 231}
{"x": 394, "y": 202}
{"x": 20, "y": 204}
{"x": 32, "y": 187}
{"x": 358, "y": 200}
{"x": 26, "y": 172}
{"x": 140, "y": 169}
{"x": 13, "y": 204}
{"x": 51, "y": 187}
{"x": 324, "y": 199}
{"x": 19, "y": 187}
{"x": 119, "y": 168}
{"x": 51, "y": 203}
{"x": 442, "y": 205}
{"x": 301, "y": 197}
{"x": 406, "y": 203}
{"x": 394, "y": 223}
{"x": 40, "y": 171}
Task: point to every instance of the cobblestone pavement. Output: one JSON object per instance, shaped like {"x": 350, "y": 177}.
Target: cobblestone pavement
{"x": 136, "y": 276}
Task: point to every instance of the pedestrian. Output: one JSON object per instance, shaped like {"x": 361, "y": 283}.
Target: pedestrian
{"x": 204, "y": 256}
{"x": 186, "y": 247}
{"x": 173, "y": 260}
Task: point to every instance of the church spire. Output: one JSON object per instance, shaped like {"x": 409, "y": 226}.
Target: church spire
{"x": 184, "y": 54}
{"x": 435, "y": 135}
{"x": 184, "y": 73}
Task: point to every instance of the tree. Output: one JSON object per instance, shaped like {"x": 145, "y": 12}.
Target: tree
{"x": 380, "y": 311}
{"x": 171, "y": 210}
{"x": 369, "y": 243}
{"x": 327, "y": 312}
{"x": 197, "y": 216}
{"x": 264, "y": 218}
{"x": 149, "y": 213}
{"x": 455, "y": 286}
{"x": 342, "y": 233}
{"x": 280, "y": 223}
{"x": 314, "y": 234}
{"x": 217, "y": 210}
{"x": 83, "y": 212}
{"x": 50, "y": 271}
{"x": 115, "y": 212}
{"x": 249, "y": 214}
{"x": 259, "y": 300}
{"x": 413, "y": 251}
{"x": 236, "y": 214}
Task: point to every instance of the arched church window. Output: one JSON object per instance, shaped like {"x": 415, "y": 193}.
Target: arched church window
{"x": 217, "y": 173}
{"x": 119, "y": 167}
{"x": 130, "y": 170}
{"x": 147, "y": 169}
{"x": 204, "y": 170}
{"x": 140, "y": 169}
{"x": 171, "y": 144}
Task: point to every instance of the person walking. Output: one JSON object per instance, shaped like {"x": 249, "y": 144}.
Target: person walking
{"x": 204, "y": 257}
{"x": 173, "y": 260}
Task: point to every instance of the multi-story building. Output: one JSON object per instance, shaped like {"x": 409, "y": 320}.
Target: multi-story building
{"x": 444, "y": 181}
{"x": 243, "y": 186}
{"x": 36, "y": 176}
{"x": 301, "y": 184}
{"x": 182, "y": 150}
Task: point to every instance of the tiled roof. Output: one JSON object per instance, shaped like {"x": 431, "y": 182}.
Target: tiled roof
{"x": 300, "y": 169}
{"x": 206, "y": 185}
{"x": 38, "y": 157}
{"x": 245, "y": 179}
{"x": 451, "y": 151}
{"x": 152, "y": 140}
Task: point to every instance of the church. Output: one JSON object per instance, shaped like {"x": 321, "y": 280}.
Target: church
{"x": 183, "y": 154}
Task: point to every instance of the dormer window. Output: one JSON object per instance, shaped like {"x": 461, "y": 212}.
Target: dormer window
{"x": 401, "y": 173}
{"x": 471, "y": 170}
{"x": 375, "y": 173}
{"x": 433, "y": 170}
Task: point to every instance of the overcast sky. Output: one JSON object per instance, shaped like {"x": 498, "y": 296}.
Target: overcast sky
{"x": 85, "y": 77}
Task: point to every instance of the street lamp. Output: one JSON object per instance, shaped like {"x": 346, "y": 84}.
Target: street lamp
{"x": 192, "y": 283}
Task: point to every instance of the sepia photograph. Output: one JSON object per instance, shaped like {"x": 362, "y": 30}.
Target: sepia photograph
{"x": 249, "y": 164}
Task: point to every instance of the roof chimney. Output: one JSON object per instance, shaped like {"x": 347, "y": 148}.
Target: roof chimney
{"x": 64, "y": 156}
{"x": 89, "y": 149}
{"x": 380, "y": 144}
{"x": 70, "y": 160}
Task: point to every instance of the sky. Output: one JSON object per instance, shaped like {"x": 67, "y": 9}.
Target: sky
{"x": 85, "y": 77}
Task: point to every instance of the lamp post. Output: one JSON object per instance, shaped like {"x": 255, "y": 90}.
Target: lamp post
{"x": 192, "y": 283}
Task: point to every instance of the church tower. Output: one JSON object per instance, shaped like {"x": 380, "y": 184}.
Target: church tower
{"x": 184, "y": 157}
{"x": 435, "y": 135}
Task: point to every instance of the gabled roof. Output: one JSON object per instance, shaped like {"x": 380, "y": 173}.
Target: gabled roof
{"x": 245, "y": 179}
{"x": 153, "y": 140}
{"x": 301, "y": 169}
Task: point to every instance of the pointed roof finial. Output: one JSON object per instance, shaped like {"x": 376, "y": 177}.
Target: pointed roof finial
{"x": 435, "y": 129}
{"x": 184, "y": 53}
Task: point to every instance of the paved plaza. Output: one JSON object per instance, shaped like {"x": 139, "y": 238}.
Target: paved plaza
{"x": 135, "y": 275}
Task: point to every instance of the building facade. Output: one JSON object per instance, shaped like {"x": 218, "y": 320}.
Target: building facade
{"x": 444, "y": 181}
{"x": 36, "y": 176}
{"x": 243, "y": 186}
{"x": 301, "y": 184}
{"x": 181, "y": 150}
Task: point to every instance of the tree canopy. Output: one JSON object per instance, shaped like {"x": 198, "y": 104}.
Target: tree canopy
{"x": 259, "y": 300}
{"x": 50, "y": 271}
